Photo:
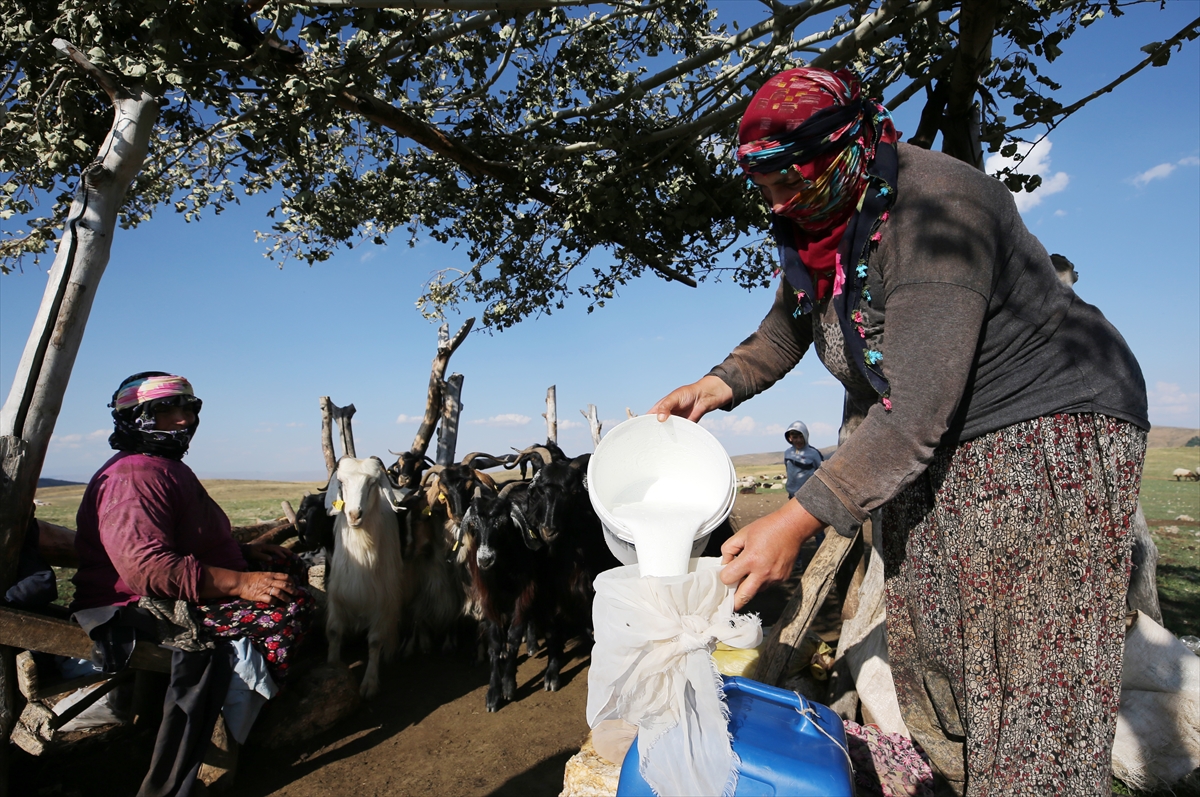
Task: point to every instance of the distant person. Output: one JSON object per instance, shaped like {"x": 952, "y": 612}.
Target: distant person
{"x": 157, "y": 559}
{"x": 800, "y": 459}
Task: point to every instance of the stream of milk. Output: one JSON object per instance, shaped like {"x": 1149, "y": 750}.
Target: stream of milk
{"x": 663, "y": 525}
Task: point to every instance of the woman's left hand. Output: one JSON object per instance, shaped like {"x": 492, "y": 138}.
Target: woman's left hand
{"x": 764, "y": 552}
{"x": 264, "y": 551}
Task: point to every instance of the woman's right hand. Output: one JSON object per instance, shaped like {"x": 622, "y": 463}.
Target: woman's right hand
{"x": 694, "y": 401}
{"x": 259, "y": 586}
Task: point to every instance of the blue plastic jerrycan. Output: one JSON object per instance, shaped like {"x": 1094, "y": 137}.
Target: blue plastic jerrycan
{"x": 788, "y": 745}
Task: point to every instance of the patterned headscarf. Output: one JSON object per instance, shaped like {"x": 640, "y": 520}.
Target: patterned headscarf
{"x": 812, "y": 118}
{"x": 134, "y": 406}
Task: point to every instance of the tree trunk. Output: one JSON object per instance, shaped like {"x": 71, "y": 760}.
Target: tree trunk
{"x": 343, "y": 415}
{"x": 28, "y": 416}
{"x": 433, "y": 399}
{"x": 960, "y": 125}
{"x": 593, "y": 419}
{"x": 451, "y": 410}
{"x": 551, "y": 415}
{"x": 327, "y": 436}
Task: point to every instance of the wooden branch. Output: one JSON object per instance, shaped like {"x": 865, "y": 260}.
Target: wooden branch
{"x": 593, "y": 419}
{"x": 451, "y": 410}
{"x": 630, "y": 413}
{"x": 879, "y": 26}
{"x": 29, "y": 631}
{"x": 798, "y": 615}
{"x": 106, "y": 81}
{"x": 343, "y": 415}
{"x": 433, "y": 397}
{"x": 551, "y": 414}
{"x": 327, "y": 436}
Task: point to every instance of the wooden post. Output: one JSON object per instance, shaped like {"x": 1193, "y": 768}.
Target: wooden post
{"x": 593, "y": 419}
{"x": 343, "y": 415}
{"x": 327, "y": 436}
{"x": 433, "y": 399}
{"x": 331, "y": 412}
{"x": 551, "y": 415}
{"x": 28, "y": 416}
{"x": 451, "y": 410}
{"x": 798, "y": 615}
{"x": 630, "y": 413}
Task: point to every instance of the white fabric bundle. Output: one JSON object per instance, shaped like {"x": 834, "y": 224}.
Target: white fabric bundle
{"x": 652, "y": 667}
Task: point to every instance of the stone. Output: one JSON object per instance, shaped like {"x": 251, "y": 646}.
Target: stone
{"x": 588, "y": 774}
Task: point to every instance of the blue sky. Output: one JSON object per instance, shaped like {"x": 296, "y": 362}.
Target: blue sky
{"x": 1121, "y": 199}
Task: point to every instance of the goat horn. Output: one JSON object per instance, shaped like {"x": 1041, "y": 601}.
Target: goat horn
{"x": 435, "y": 470}
{"x": 508, "y": 488}
{"x": 486, "y": 479}
{"x": 469, "y": 457}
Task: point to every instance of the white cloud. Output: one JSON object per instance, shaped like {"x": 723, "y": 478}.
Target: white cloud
{"x": 507, "y": 419}
{"x": 79, "y": 440}
{"x": 402, "y": 418}
{"x": 816, "y": 429}
{"x": 1163, "y": 171}
{"x": 1060, "y": 213}
{"x": 569, "y": 424}
{"x": 1168, "y": 400}
{"x": 827, "y": 382}
{"x": 775, "y": 428}
{"x": 295, "y": 425}
{"x": 368, "y": 256}
{"x": 733, "y": 424}
{"x": 1037, "y": 161}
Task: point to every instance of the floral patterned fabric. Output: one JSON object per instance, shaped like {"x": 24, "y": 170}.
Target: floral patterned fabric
{"x": 887, "y": 764}
{"x": 274, "y": 629}
{"x": 1007, "y": 563}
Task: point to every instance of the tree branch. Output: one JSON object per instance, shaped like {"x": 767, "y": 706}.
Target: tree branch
{"x": 450, "y": 5}
{"x": 114, "y": 90}
{"x": 1055, "y": 118}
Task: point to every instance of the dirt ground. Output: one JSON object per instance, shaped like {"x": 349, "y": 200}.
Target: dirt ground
{"x": 428, "y": 733}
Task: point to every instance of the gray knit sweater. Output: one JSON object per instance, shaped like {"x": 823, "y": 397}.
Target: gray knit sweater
{"x": 980, "y": 334}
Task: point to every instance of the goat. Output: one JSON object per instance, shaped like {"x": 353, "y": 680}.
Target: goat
{"x": 366, "y": 570}
{"x": 560, "y": 512}
{"x": 504, "y": 567}
{"x": 435, "y": 551}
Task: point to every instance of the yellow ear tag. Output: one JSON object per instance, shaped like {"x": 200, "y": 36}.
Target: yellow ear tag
{"x": 442, "y": 497}
{"x": 427, "y": 511}
{"x": 338, "y": 504}
{"x": 455, "y": 548}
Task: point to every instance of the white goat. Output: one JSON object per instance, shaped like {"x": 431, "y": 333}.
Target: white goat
{"x": 365, "y": 574}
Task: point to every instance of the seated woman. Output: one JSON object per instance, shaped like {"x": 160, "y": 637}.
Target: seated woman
{"x": 147, "y": 529}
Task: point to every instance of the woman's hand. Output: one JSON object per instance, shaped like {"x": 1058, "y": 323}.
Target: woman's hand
{"x": 695, "y": 400}
{"x": 765, "y": 551}
{"x": 259, "y": 586}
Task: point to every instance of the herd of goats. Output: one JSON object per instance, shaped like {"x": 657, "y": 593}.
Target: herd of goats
{"x": 416, "y": 550}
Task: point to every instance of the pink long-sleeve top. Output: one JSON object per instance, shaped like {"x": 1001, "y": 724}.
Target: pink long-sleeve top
{"x": 146, "y": 526}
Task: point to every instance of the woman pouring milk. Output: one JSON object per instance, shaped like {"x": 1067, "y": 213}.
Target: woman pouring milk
{"x": 997, "y": 420}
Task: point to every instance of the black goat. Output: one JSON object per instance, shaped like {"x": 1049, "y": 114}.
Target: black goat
{"x": 504, "y": 568}
{"x": 560, "y": 512}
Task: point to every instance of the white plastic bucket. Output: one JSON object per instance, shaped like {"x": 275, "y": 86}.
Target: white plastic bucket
{"x": 673, "y": 461}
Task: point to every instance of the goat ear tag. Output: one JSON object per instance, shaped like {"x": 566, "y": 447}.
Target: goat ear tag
{"x": 338, "y": 504}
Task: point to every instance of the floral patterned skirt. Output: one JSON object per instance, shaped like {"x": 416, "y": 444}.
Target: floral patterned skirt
{"x": 274, "y": 629}
{"x": 1007, "y": 563}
